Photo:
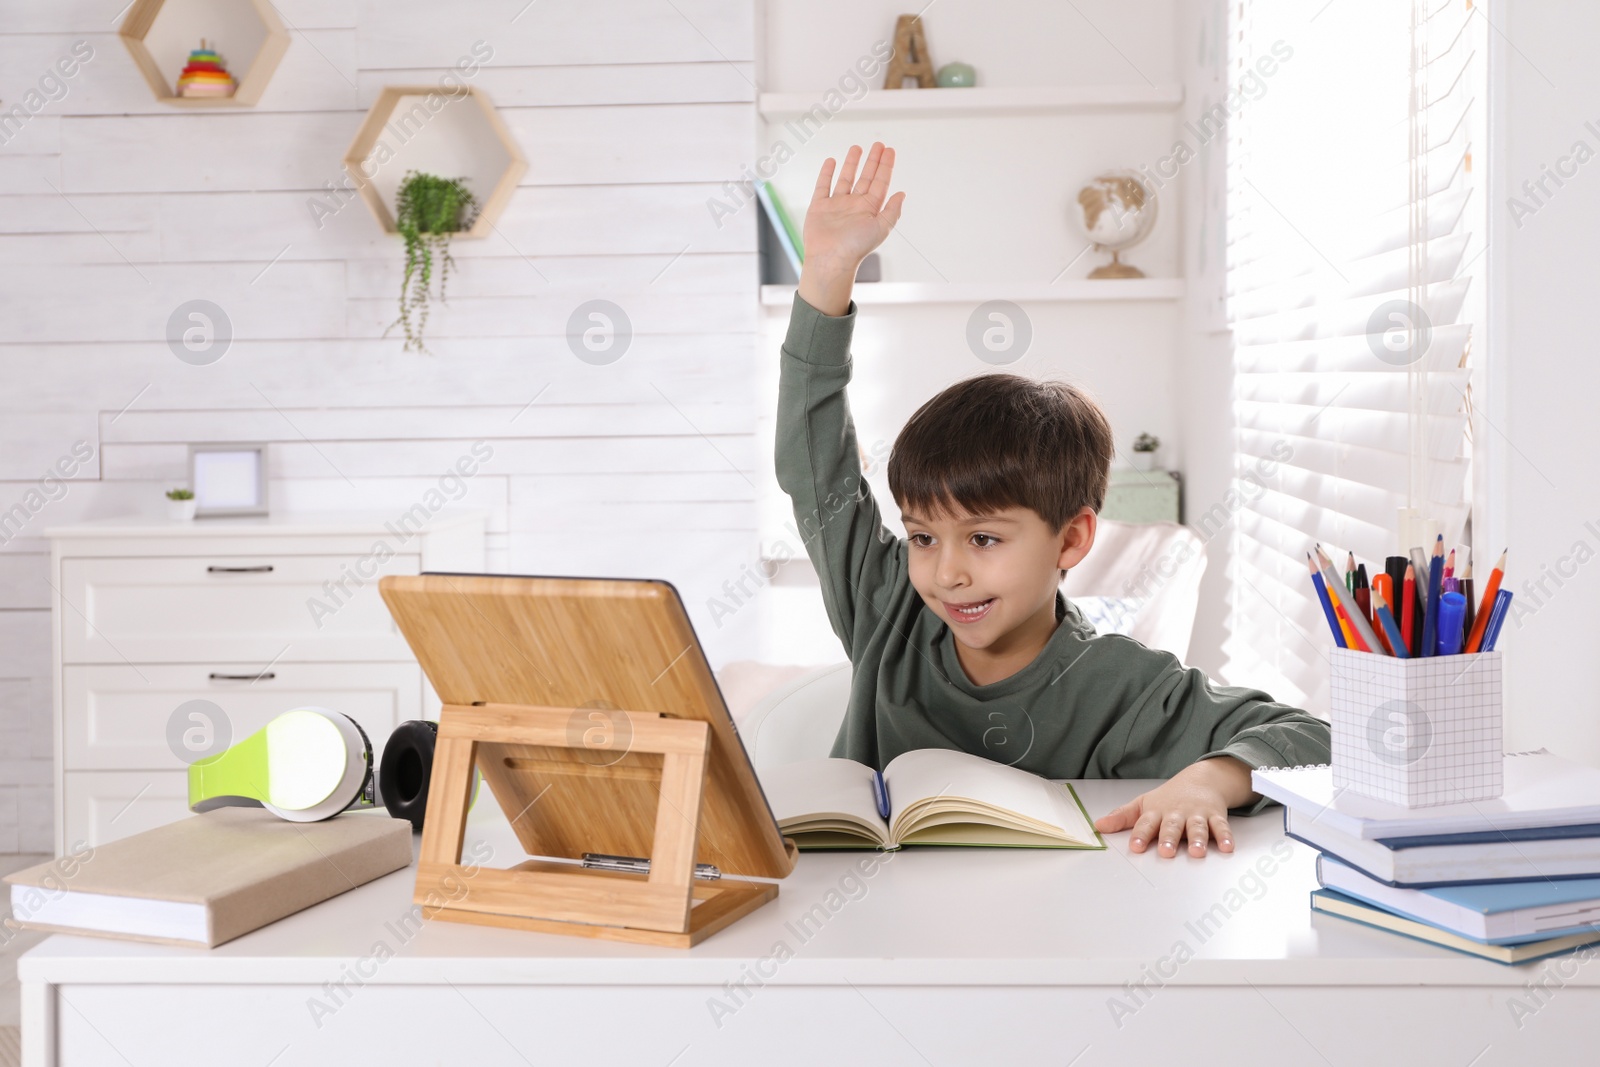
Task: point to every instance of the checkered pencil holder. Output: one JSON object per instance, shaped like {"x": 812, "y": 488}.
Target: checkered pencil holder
{"x": 1418, "y": 731}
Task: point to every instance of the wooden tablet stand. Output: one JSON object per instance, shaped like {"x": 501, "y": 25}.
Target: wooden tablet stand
{"x": 560, "y": 897}
{"x": 589, "y": 708}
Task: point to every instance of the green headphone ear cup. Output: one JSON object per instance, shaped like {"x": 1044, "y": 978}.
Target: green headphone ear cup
{"x": 407, "y": 768}
{"x": 307, "y": 764}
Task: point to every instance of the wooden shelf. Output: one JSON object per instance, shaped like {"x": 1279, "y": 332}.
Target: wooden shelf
{"x": 248, "y": 34}
{"x": 983, "y": 100}
{"x": 452, "y": 135}
{"x": 1107, "y": 289}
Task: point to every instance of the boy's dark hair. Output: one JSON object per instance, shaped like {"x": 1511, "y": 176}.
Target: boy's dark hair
{"x": 1001, "y": 440}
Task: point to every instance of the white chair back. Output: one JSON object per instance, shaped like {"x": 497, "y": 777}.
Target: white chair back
{"x": 1162, "y": 561}
{"x": 799, "y": 720}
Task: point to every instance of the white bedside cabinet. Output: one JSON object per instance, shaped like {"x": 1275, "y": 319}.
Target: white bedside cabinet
{"x": 255, "y": 614}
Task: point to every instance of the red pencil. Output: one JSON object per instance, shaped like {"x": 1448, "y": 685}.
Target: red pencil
{"x": 1408, "y": 610}
{"x": 1449, "y": 564}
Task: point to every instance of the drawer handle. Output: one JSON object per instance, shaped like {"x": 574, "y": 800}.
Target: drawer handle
{"x": 262, "y": 569}
{"x": 215, "y": 677}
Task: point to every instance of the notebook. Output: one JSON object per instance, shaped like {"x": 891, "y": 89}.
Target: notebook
{"x": 937, "y": 796}
{"x": 208, "y": 878}
{"x": 1541, "y": 789}
{"x": 1505, "y": 913}
{"x": 1453, "y": 859}
{"x": 1334, "y": 902}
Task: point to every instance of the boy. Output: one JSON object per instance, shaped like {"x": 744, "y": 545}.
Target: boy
{"x": 958, "y": 635}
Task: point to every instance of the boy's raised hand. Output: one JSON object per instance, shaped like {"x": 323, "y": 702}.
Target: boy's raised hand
{"x": 846, "y": 220}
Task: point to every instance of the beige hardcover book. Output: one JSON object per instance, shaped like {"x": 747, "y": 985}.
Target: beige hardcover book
{"x": 208, "y": 878}
{"x": 936, "y": 796}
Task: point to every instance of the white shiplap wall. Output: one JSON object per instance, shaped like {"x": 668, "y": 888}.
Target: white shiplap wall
{"x": 115, "y": 209}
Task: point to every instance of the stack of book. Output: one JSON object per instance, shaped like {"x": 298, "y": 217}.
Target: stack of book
{"x": 1511, "y": 879}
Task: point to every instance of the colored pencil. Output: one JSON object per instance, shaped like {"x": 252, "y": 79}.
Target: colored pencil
{"x": 1386, "y": 620}
{"x": 1408, "y": 608}
{"x": 1350, "y": 572}
{"x": 1327, "y": 605}
{"x": 1341, "y": 609}
{"x": 1349, "y": 621}
{"x": 1420, "y": 562}
{"x": 1364, "y": 599}
{"x": 1486, "y": 604}
{"x": 1430, "y": 622}
{"x": 1366, "y": 640}
{"x": 1351, "y": 638}
{"x": 1466, "y": 591}
{"x": 1450, "y": 564}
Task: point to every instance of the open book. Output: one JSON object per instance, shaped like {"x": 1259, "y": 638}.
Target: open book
{"x": 937, "y": 796}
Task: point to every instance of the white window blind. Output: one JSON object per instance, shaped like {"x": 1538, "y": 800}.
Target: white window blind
{"x": 1354, "y": 226}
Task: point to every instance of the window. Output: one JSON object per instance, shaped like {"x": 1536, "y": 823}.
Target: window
{"x": 1355, "y": 228}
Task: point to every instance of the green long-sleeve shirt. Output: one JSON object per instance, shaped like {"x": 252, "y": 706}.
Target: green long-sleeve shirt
{"x": 1088, "y": 706}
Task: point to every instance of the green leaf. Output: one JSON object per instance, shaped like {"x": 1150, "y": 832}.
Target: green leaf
{"x": 428, "y": 209}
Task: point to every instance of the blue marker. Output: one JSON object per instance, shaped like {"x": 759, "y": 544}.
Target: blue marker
{"x": 1452, "y": 610}
{"x": 880, "y": 790}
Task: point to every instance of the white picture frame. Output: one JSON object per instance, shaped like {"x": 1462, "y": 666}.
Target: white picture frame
{"x": 228, "y": 478}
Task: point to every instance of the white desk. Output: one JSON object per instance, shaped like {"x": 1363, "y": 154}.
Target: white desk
{"x": 938, "y": 957}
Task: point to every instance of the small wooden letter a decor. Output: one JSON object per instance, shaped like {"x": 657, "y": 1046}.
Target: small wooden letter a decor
{"x": 911, "y": 59}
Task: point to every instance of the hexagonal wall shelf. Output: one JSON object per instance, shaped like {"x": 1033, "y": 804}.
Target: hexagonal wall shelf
{"x": 248, "y": 34}
{"x": 452, "y": 135}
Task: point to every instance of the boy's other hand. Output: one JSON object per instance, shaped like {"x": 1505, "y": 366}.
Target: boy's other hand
{"x": 1193, "y": 803}
{"x": 845, "y": 221}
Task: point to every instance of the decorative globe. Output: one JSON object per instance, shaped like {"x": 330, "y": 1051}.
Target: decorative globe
{"x": 1116, "y": 211}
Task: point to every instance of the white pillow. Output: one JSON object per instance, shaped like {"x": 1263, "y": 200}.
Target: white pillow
{"x": 1111, "y": 614}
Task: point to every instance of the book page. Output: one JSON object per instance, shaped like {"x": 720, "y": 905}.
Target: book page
{"x": 983, "y": 835}
{"x": 823, "y": 791}
{"x": 938, "y": 772}
{"x": 109, "y": 913}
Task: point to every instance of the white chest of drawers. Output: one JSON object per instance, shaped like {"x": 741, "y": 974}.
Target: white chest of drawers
{"x": 255, "y": 614}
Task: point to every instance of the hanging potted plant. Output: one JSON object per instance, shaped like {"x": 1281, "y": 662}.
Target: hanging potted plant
{"x": 428, "y": 209}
